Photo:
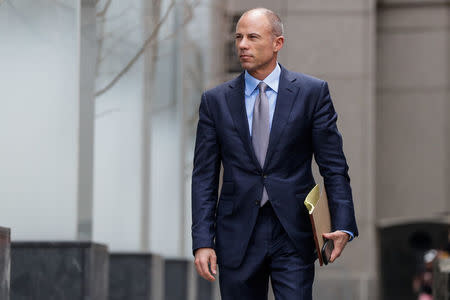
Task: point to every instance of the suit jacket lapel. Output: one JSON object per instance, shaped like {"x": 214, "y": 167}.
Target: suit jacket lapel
{"x": 285, "y": 99}
{"x": 236, "y": 103}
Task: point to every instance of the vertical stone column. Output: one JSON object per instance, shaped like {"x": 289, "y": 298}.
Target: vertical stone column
{"x": 87, "y": 61}
{"x": 5, "y": 262}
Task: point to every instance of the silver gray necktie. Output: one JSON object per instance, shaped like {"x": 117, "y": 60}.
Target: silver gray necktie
{"x": 261, "y": 130}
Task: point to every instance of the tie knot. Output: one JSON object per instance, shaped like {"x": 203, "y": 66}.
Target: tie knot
{"x": 262, "y": 87}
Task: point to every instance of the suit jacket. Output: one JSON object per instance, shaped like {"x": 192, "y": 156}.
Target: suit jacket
{"x": 304, "y": 123}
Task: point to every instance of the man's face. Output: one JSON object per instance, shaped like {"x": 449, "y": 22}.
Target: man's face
{"x": 256, "y": 45}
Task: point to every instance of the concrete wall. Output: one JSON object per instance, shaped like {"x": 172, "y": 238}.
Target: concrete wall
{"x": 39, "y": 119}
{"x": 47, "y": 176}
{"x": 412, "y": 111}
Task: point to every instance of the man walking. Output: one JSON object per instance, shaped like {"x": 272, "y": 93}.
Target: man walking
{"x": 264, "y": 127}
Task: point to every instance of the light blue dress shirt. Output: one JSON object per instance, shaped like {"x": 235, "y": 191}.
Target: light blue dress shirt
{"x": 251, "y": 92}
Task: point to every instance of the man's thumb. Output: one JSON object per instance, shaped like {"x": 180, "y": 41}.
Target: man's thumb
{"x": 327, "y": 235}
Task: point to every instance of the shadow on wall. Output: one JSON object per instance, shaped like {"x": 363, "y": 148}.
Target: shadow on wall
{"x": 405, "y": 252}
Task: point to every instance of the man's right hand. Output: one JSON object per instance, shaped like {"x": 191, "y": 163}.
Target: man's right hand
{"x": 204, "y": 257}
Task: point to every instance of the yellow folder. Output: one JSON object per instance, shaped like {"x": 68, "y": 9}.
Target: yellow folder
{"x": 317, "y": 204}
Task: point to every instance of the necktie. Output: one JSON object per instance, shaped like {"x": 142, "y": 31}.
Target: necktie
{"x": 261, "y": 130}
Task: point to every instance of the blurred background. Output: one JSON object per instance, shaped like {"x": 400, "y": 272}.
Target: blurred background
{"x": 99, "y": 107}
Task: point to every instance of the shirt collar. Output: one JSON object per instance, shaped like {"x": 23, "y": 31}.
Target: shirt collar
{"x": 272, "y": 80}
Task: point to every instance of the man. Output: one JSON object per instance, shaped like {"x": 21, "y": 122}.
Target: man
{"x": 264, "y": 126}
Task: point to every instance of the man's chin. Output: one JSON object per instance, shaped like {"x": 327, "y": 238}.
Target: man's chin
{"x": 247, "y": 66}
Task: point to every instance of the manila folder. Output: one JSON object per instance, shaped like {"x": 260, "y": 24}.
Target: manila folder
{"x": 317, "y": 204}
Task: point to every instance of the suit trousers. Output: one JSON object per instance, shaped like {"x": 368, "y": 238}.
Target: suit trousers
{"x": 270, "y": 254}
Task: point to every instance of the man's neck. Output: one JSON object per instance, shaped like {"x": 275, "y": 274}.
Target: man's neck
{"x": 262, "y": 73}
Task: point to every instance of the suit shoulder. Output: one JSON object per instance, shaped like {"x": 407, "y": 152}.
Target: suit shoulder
{"x": 308, "y": 80}
{"x": 221, "y": 88}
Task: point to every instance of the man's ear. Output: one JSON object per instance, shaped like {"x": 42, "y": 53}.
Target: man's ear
{"x": 278, "y": 43}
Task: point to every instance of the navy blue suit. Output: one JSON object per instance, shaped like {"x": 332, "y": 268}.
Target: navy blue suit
{"x": 304, "y": 124}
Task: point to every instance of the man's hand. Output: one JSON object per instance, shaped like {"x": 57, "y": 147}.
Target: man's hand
{"x": 340, "y": 239}
{"x": 204, "y": 257}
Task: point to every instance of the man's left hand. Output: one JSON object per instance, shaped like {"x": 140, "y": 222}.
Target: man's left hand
{"x": 340, "y": 239}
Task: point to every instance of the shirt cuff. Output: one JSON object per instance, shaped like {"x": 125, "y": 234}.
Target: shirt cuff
{"x": 350, "y": 233}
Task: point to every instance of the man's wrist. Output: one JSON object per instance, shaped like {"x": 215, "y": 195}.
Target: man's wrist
{"x": 202, "y": 244}
{"x": 349, "y": 233}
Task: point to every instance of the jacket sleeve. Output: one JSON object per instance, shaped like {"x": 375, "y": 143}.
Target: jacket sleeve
{"x": 329, "y": 155}
{"x": 205, "y": 179}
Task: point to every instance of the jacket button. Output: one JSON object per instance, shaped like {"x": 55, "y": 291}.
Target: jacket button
{"x": 257, "y": 203}
{"x": 265, "y": 176}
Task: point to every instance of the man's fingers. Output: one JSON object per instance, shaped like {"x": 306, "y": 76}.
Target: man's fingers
{"x": 339, "y": 241}
{"x": 335, "y": 254}
{"x": 198, "y": 267}
{"x": 203, "y": 259}
{"x": 214, "y": 264}
{"x": 205, "y": 270}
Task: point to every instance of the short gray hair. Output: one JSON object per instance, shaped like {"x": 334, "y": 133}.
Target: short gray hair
{"x": 274, "y": 20}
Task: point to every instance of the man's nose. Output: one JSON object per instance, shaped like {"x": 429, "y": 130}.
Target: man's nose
{"x": 242, "y": 44}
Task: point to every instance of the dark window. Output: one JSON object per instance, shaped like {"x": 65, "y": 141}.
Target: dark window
{"x": 232, "y": 64}
{"x": 402, "y": 251}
